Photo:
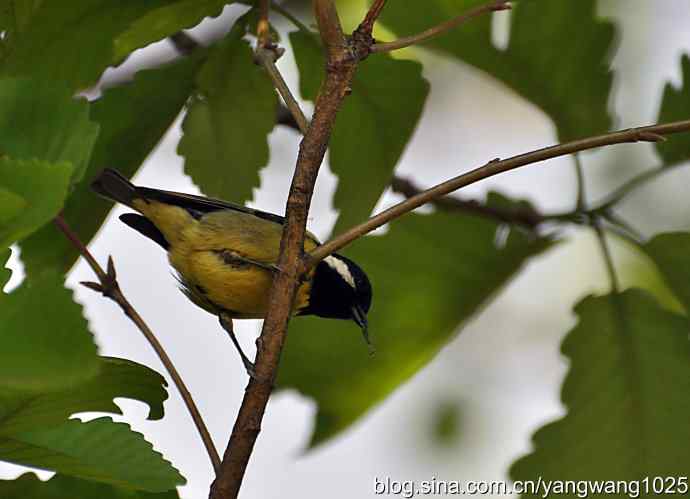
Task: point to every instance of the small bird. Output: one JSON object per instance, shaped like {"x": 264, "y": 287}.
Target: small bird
{"x": 225, "y": 255}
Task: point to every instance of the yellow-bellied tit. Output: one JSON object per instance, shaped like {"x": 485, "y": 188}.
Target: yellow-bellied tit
{"x": 225, "y": 255}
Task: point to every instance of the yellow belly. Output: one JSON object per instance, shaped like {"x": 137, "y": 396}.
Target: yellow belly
{"x": 241, "y": 291}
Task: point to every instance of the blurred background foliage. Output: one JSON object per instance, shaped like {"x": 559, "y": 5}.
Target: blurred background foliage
{"x": 567, "y": 62}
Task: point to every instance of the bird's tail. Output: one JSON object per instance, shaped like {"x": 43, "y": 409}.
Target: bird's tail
{"x": 112, "y": 185}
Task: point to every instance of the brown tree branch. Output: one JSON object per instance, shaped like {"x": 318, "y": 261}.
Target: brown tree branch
{"x": 494, "y": 5}
{"x": 653, "y": 133}
{"x": 372, "y": 15}
{"x": 263, "y": 28}
{"x": 330, "y": 29}
{"x": 267, "y": 57}
{"x": 342, "y": 59}
{"x": 110, "y": 288}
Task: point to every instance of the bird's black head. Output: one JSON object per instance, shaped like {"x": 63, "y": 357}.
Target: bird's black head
{"x": 340, "y": 290}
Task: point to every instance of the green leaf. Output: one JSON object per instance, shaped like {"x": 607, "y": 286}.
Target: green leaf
{"x": 671, "y": 254}
{"x": 626, "y": 396}
{"x": 226, "y": 128}
{"x": 310, "y": 62}
{"x": 133, "y": 118}
{"x": 45, "y": 343}
{"x": 11, "y": 206}
{"x": 675, "y": 106}
{"x": 15, "y": 16}
{"x": 42, "y": 185}
{"x": 28, "y": 486}
{"x": 100, "y": 450}
{"x": 373, "y": 127}
{"x": 74, "y": 46}
{"x": 165, "y": 20}
{"x": 40, "y": 120}
{"x": 21, "y": 411}
{"x": 429, "y": 274}
{"x": 558, "y": 55}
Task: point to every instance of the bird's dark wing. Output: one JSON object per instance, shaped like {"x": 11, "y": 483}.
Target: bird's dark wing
{"x": 202, "y": 204}
{"x": 146, "y": 227}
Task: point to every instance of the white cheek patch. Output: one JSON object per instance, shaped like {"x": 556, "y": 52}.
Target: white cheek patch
{"x": 341, "y": 268}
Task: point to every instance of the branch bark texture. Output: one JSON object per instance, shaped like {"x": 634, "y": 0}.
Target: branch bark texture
{"x": 340, "y": 68}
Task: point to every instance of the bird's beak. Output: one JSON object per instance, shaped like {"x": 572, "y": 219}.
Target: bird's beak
{"x": 360, "y": 317}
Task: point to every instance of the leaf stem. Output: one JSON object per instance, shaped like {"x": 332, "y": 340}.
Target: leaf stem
{"x": 425, "y": 35}
{"x": 581, "y": 188}
{"x": 634, "y": 183}
{"x": 651, "y": 133}
{"x": 606, "y": 254}
{"x": 110, "y": 288}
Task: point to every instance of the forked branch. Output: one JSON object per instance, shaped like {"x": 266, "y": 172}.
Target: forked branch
{"x": 340, "y": 71}
{"x": 367, "y": 25}
{"x": 435, "y": 31}
{"x": 108, "y": 286}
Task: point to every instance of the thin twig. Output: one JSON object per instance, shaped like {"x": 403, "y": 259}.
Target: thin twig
{"x": 267, "y": 58}
{"x": 341, "y": 66}
{"x": 400, "y": 43}
{"x": 72, "y": 236}
{"x": 606, "y": 254}
{"x": 622, "y": 225}
{"x": 263, "y": 28}
{"x": 642, "y": 134}
{"x": 110, "y": 288}
{"x": 372, "y": 15}
{"x": 624, "y": 235}
{"x": 526, "y": 217}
